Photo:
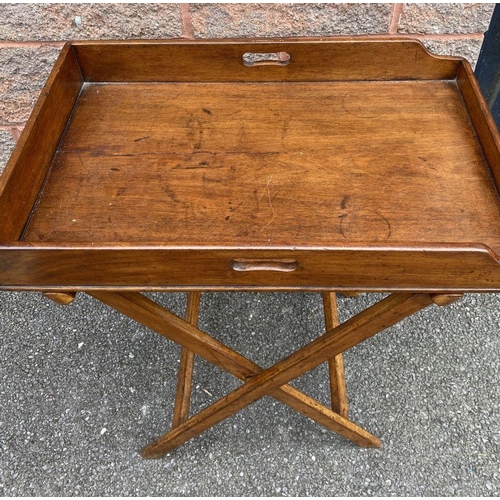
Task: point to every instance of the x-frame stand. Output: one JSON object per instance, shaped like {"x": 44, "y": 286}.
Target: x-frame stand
{"x": 259, "y": 382}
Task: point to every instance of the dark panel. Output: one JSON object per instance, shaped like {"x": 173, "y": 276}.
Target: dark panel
{"x": 488, "y": 66}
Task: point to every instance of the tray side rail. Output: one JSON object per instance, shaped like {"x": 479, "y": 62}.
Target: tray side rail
{"x": 481, "y": 118}
{"x": 433, "y": 269}
{"x": 339, "y": 58}
{"x": 29, "y": 164}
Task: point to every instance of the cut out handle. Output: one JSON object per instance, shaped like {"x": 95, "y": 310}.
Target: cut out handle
{"x": 282, "y": 265}
{"x": 266, "y": 58}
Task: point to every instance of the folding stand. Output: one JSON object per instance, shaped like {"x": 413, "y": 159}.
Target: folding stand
{"x": 259, "y": 382}
{"x": 247, "y": 165}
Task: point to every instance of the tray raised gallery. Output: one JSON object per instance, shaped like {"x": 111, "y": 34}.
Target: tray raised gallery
{"x": 346, "y": 164}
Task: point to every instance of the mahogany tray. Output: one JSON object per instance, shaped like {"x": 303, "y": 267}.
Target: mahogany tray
{"x": 345, "y": 164}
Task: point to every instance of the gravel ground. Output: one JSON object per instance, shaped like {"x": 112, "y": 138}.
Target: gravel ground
{"x": 83, "y": 389}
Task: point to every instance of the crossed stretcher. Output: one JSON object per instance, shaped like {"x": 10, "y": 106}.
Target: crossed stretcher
{"x": 259, "y": 382}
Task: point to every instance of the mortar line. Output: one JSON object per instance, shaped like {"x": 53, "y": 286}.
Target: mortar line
{"x": 16, "y": 132}
{"x": 397, "y": 10}
{"x": 8, "y": 128}
{"x": 9, "y": 44}
{"x": 186, "y": 21}
{"x": 443, "y": 36}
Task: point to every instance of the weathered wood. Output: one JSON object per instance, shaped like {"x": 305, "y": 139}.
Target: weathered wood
{"x": 153, "y": 316}
{"x": 446, "y": 299}
{"x": 340, "y": 58}
{"x": 61, "y": 298}
{"x": 434, "y": 269}
{"x": 338, "y": 390}
{"x": 238, "y": 170}
{"x": 201, "y": 173}
{"x": 376, "y": 318}
{"x": 225, "y": 168}
{"x": 25, "y": 172}
{"x": 481, "y": 118}
{"x": 186, "y": 365}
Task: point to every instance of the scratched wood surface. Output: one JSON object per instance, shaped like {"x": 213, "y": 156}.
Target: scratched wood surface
{"x": 25, "y": 172}
{"x": 320, "y": 59}
{"x": 306, "y": 164}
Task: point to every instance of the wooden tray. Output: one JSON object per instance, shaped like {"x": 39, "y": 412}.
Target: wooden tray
{"x": 351, "y": 163}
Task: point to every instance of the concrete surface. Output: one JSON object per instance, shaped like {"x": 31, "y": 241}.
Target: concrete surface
{"x": 23, "y": 73}
{"x": 83, "y": 389}
{"x": 77, "y": 21}
{"x": 445, "y": 18}
{"x": 7, "y": 144}
{"x": 461, "y": 47}
{"x": 288, "y": 20}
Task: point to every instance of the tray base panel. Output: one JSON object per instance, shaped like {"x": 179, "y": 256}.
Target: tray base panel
{"x": 269, "y": 164}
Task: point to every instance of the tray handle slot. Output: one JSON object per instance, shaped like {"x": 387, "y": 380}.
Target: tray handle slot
{"x": 266, "y": 58}
{"x": 282, "y": 265}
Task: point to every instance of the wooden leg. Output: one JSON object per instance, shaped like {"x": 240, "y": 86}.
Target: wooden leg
{"x": 364, "y": 325}
{"x": 184, "y": 381}
{"x": 155, "y": 317}
{"x": 336, "y": 364}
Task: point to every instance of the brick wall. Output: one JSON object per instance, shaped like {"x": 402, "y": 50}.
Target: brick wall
{"x": 31, "y": 35}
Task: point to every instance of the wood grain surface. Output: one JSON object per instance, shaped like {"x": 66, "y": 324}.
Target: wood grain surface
{"x": 26, "y": 170}
{"x": 339, "y": 58}
{"x": 364, "y": 325}
{"x": 162, "y": 321}
{"x": 363, "y": 269}
{"x": 299, "y": 164}
{"x": 360, "y": 163}
{"x": 481, "y": 118}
